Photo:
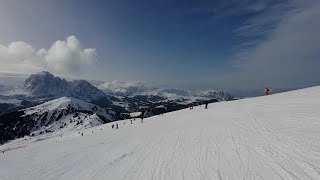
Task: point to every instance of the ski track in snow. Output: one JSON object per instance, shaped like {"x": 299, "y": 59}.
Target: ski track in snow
{"x": 274, "y": 137}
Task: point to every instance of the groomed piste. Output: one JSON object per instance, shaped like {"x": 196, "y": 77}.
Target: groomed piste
{"x": 269, "y": 137}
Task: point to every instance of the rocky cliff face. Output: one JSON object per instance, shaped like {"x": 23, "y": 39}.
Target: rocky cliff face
{"x": 44, "y": 85}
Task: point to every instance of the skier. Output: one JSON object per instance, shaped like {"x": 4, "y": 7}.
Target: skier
{"x": 267, "y": 91}
{"x": 112, "y": 126}
{"x": 131, "y": 121}
{"x": 117, "y": 127}
{"x": 206, "y": 105}
{"x": 142, "y": 116}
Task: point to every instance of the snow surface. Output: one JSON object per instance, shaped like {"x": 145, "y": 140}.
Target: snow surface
{"x": 273, "y": 137}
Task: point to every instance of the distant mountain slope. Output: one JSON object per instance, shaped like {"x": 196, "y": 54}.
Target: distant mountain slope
{"x": 219, "y": 95}
{"x": 46, "y": 85}
{"x": 121, "y": 97}
{"x": 11, "y": 81}
{"x": 62, "y": 113}
{"x": 124, "y": 88}
{"x": 9, "y": 104}
{"x": 137, "y": 88}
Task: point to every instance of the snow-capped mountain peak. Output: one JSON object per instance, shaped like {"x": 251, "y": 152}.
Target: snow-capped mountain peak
{"x": 46, "y": 85}
{"x": 64, "y": 113}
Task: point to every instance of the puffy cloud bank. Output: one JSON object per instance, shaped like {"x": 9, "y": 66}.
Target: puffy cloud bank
{"x": 63, "y": 57}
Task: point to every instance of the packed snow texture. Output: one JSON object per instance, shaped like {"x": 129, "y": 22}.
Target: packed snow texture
{"x": 272, "y": 137}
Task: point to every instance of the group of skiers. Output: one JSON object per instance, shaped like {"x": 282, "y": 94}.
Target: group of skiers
{"x": 116, "y": 125}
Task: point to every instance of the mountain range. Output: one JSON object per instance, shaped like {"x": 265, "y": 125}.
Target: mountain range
{"x": 45, "y": 103}
{"x": 126, "y": 97}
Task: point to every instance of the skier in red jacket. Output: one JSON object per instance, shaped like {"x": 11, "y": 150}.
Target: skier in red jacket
{"x": 267, "y": 91}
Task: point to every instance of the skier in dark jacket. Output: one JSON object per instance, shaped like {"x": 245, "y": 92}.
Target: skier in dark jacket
{"x": 206, "y": 105}
{"x": 142, "y": 116}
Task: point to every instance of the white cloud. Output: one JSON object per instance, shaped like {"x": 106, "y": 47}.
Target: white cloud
{"x": 63, "y": 57}
{"x": 288, "y": 54}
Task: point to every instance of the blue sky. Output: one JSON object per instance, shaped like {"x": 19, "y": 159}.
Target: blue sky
{"x": 189, "y": 44}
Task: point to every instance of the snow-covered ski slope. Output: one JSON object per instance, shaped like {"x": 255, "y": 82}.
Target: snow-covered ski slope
{"x": 274, "y": 137}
